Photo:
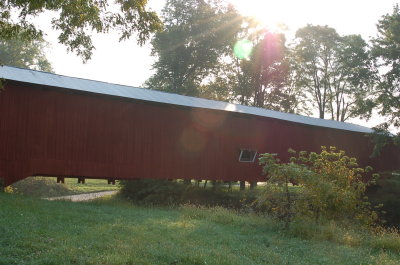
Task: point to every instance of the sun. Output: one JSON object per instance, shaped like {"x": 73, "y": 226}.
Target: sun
{"x": 271, "y": 14}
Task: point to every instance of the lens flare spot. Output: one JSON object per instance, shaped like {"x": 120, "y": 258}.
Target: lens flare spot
{"x": 207, "y": 120}
{"x": 243, "y": 49}
{"x": 192, "y": 140}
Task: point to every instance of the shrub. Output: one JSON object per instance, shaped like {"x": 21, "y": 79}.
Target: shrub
{"x": 386, "y": 193}
{"x": 164, "y": 192}
{"x": 152, "y": 191}
{"x": 332, "y": 186}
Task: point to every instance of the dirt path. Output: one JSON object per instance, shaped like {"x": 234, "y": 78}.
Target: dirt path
{"x": 83, "y": 197}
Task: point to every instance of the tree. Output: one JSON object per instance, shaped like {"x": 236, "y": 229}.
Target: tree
{"x": 24, "y": 53}
{"x": 260, "y": 76}
{"x": 336, "y": 71}
{"x": 267, "y": 71}
{"x": 386, "y": 51}
{"x": 76, "y": 19}
{"x": 354, "y": 77}
{"x": 197, "y": 36}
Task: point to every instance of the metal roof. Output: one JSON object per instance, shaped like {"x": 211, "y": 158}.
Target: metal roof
{"x": 54, "y": 80}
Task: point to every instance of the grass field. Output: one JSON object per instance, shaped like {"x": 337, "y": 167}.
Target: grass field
{"x": 110, "y": 231}
{"x": 91, "y": 185}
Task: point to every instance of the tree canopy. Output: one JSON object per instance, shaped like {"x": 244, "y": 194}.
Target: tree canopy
{"x": 336, "y": 71}
{"x": 76, "y": 20}
{"x": 260, "y": 78}
{"x": 24, "y": 53}
{"x": 196, "y": 37}
{"x": 386, "y": 51}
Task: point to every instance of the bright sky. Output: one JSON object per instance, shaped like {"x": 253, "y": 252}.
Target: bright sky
{"x": 127, "y": 63}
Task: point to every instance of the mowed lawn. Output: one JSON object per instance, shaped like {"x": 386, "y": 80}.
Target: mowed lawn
{"x": 34, "y": 231}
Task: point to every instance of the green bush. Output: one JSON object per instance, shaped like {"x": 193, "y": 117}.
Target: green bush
{"x": 386, "y": 193}
{"x": 152, "y": 191}
{"x": 164, "y": 192}
{"x": 332, "y": 187}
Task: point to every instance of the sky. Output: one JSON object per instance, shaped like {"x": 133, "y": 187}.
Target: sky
{"x": 129, "y": 64}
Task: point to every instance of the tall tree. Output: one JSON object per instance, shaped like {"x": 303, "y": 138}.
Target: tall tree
{"x": 336, "y": 71}
{"x": 77, "y": 19}
{"x": 259, "y": 76}
{"x": 198, "y": 34}
{"x": 386, "y": 51}
{"x": 268, "y": 70}
{"x": 24, "y": 53}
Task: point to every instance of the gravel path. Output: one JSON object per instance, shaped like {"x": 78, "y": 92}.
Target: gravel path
{"x": 83, "y": 197}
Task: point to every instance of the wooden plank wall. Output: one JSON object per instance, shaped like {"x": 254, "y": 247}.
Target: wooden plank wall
{"x": 59, "y": 132}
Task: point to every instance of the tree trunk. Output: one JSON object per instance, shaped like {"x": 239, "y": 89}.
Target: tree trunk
{"x": 242, "y": 185}
{"x": 321, "y": 114}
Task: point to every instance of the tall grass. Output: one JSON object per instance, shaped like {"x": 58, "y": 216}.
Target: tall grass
{"x": 349, "y": 234}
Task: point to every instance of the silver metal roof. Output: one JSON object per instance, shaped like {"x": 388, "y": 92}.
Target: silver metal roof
{"x": 54, "y": 80}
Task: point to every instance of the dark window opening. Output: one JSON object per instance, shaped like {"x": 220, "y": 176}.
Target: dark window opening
{"x": 247, "y": 155}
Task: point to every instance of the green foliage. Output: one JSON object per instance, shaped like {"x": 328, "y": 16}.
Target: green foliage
{"x": 277, "y": 197}
{"x": 386, "y": 192}
{"x": 335, "y": 71}
{"x": 386, "y": 95}
{"x": 260, "y": 78}
{"x": 196, "y": 36}
{"x": 172, "y": 193}
{"x": 381, "y": 137}
{"x": 332, "y": 186}
{"x": 76, "y": 19}
{"x": 24, "y": 53}
{"x": 268, "y": 70}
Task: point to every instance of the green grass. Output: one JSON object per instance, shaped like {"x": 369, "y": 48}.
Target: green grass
{"x": 48, "y": 187}
{"x": 91, "y": 185}
{"x": 109, "y": 231}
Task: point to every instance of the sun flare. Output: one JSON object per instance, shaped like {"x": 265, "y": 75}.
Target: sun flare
{"x": 275, "y": 15}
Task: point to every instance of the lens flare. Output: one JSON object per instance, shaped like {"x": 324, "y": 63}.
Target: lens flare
{"x": 207, "y": 120}
{"x": 192, "y": 141}
{"x": 243, "y": 49}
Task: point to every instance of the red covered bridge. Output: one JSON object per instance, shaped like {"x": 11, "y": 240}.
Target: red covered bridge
{"x": 62, "y": 126}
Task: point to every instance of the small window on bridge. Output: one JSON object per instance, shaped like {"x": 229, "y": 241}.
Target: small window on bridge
{"x": 247, "y": 155}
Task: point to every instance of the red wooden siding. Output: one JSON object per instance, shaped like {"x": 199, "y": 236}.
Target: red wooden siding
{"x": 51, "y": 131}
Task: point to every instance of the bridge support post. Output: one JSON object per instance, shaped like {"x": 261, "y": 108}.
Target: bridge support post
{"x": 2, "y": 185}
{"x": 81, "y": 180}
{"x": 242, "y": 185}
{"x": 61, "y": 180}
{"x": 253, "y": 184}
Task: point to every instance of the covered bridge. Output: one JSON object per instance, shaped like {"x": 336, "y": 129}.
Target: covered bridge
{"x": 63, "y": 126}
